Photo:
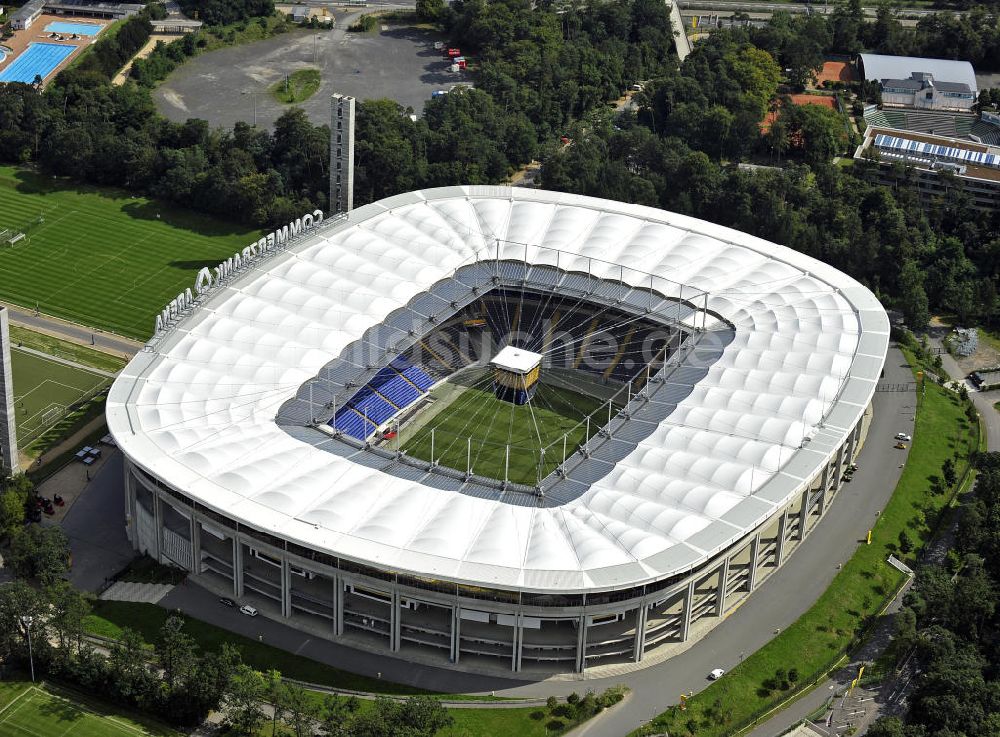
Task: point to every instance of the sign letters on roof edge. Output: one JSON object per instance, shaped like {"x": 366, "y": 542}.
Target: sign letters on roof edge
{"x": 207, "y": 280}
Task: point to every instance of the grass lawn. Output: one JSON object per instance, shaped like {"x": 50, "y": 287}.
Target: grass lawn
{"x": 44, "y": 390}
{"x": 74, "y": 352}
{"x": 817, "y": 639}
{"x": 494, "y": 722}
{"x": 493, "y": 424}
{"x": 99, "y": 257}
{"x": 28, "y": 710}
{"x": 297, "y": 87}
{"x": 109, "y": 618}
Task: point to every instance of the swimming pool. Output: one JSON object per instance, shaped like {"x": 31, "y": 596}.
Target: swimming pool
{"x": 39, "y": 59}
{"x": 82, "y": 29}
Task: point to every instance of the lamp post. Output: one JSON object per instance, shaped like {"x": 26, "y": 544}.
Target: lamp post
{"x": 26, "y": 622}
{"x": 253, "y": 97}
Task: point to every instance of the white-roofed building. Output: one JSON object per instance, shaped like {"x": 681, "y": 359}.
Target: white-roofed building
{"x": 725, "y": 453}
{"x": 928, "y": 84}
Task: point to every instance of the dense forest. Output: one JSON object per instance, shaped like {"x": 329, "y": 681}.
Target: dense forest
{"x": 546, "y": 73}
{"x": 950, "y": 623}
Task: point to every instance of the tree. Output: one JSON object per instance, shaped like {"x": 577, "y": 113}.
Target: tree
{"x": 247, "y": 688}
{"x": 905, "y": 544}
{"x": 336, "y": 714}
{"x": 913, "y": 298}
{"x": 430, "y": 10}
{"x": 176, "y": 653}
{"x": 417, "y": 716}
{"x": 69, "y": 607}
{"x": 14, "y": 493}
{"x": 301, "y": 711}
{"x": 21, "y": 608}
{"x": 131, "y": 679}
{"x": 39, "y": 552}
{"x": 886, "y": 727}
{"x": 948, "y": 472}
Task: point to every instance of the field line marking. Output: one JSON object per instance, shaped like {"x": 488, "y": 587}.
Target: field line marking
{"x": 15, "y": 700}
{"x": 85, "y": 709}
{"x": 100, "y": 267}
{"x": 50, "y": 359}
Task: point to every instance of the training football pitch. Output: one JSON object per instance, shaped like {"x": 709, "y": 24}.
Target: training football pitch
{"x": 44, "y": 390}
{"x": 493, "y": 425}
{"x": 100, "y": 257}
{"x": 37, "y": 711}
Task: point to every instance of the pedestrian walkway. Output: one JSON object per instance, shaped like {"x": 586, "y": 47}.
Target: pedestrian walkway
{"x": 145, "y": 593}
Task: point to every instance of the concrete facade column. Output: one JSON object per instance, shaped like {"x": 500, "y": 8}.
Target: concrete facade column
{"x": 838, "y": 468}
{"x": 394, "y": 626}
{"x": 456, "y": 633}
{"x": 518, "y": 638}
{"x": 286, "y": 588}
{"x": 131, "y": 524}
{"x": 195, "y": 545}
{"x": 639, "y": 645}
{"x": 237, "y": 567}
{"x": 158, "y": 526}
{"x": 688, "y": 610}
{"x": 804, "y": 512}
{"x": 581, "y": 644}
{"x": 338, "y": 606}
{"x": 720, "y": 597}
{"x": 779, "y": 548}
{"x": 754, "y": 559}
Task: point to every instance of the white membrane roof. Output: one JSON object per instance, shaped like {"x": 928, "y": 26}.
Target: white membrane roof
{"x": 197, "y": 409}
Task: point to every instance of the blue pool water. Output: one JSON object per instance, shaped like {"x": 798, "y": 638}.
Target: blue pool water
{"x": 37, "y": 59}
{"x": 83, "y": 29}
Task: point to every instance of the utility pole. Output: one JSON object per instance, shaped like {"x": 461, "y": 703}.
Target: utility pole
{"x": 26, "y": 621}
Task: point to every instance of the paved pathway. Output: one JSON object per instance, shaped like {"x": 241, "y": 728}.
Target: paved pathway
{"x": 95, "y": 526}
{"x": 814, "y": 700}
{"x": 106, "y": 342}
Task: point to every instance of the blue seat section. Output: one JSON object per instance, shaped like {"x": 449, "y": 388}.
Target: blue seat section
{"x": 417, "y": 376}
{"x": 373, "y": 406}
{"x": 348, "y": 421}
{"x": 399, "y": 391}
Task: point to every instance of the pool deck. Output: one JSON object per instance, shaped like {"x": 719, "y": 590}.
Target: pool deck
{"x": 37, "y": 34}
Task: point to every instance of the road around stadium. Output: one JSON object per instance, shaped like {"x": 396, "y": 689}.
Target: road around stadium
{"x": 789, "y": 592}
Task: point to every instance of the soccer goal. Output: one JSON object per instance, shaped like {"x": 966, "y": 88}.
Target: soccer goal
{"x": 10, "y": 237}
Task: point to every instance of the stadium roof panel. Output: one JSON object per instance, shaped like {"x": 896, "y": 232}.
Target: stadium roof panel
{"x": 198, "y": 408}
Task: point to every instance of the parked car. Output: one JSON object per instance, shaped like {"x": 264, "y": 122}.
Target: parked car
{"x": 716, "y": 674}
{"x": 903, "y": 436}
{"x": 248, "y": 610}
{"x": 226, "y": 601}
{"x": 900, "y": 446}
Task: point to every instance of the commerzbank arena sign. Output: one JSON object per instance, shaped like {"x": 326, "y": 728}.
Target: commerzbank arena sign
{"x": 209, "y": 278}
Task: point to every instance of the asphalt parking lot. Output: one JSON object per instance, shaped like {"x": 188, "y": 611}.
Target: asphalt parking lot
{"x": 225, "y": 86}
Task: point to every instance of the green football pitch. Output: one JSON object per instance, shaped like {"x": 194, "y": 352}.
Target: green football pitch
{"x": 100, "y": 257}
{"x": 38, "y": 711}
{"x": 44, "y": 389}
{"x": 473, "y": 412}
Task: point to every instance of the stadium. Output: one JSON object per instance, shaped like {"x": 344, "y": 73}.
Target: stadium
{"x": 496, "y": 427}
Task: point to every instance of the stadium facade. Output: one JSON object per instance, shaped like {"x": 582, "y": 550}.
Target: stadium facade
{"x": 258, "y": 427}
